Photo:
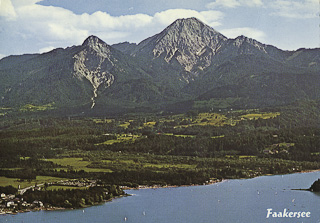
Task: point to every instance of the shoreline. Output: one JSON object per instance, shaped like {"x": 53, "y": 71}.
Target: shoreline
{"x": 309, "y": 171}
{"x": 212, "y": 182}
{"x": 58, "y": 208}
{"x": 140, "y": 187}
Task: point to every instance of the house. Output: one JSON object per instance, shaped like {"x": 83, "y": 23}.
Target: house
{"x": 37, "y": 203}
{"x": 11, "y": 196}
{"x": 10, "y": 204}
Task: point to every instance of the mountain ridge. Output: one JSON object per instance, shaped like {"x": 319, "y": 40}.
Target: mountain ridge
{"x": 187, "y": 62}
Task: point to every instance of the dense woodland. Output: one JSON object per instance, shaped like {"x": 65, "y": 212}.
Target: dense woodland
{"x": 73, "y": 198}
{"x": 163, "y": 149}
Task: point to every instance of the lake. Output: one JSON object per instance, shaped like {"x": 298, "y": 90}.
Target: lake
{"x": 244, "y": 200}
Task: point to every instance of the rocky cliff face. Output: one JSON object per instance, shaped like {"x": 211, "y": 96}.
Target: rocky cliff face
{"x": 187, "y": 43}
{"x": 94, "y": 63}
{"x": 192, "y": 47}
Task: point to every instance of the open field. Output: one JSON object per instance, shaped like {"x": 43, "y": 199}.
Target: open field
{"x": 99, "y": 120}
{"x": 76, "y": 164}
{"x": 30, "y": 107}
{"x": 183, "y": 136}
{"x": 202, "y": 119}
{"x": 218, "y": 120}
{"x": 124, "y": 125}
{"x": 261, "y": 115}
{"x": 168, "y": 165}
{"x": 5, "y": 181}
{"x": 56, "y": 187}
{"x": 146, "y": 164}
{"x": 158, "y": 149}
{"x": 121, "y": 138}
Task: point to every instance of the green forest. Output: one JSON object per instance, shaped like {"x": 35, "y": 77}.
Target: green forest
{"x": 156, "y": 149}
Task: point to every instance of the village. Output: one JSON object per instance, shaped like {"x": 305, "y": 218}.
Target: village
{"x": 14, "y": 203}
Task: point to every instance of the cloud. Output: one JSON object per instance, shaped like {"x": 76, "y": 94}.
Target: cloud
{"x": 7, "y": 10}
{"x": 297, "y": 9}
{"x": 165, "y": 18}
{"x": 35, "y": 27}
{"x": 306, "y": 9}
{"x": 223, "y": 3}
{"x": 246, "y": 31}
{"x": 2, "y": 56}
{"x": 46, "y": 49}
{"x": 100, "y": 20}
{"x": 234, "y": 3}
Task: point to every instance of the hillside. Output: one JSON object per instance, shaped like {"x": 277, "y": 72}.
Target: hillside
{"x": 186, "y": 64}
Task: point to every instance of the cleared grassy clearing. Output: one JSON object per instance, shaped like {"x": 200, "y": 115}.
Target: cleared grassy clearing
{"x": 31, "y": 107}
{"x": 183, "y": 136}
{"x": 149, "y": 124}
{"x": 125, "y": 125}
{"x": 203, "y": 119}
{"x": 99, "y": 121}
{"x": 4, "y": 181}
{"x": 146, "y": 164}
{"x": 120, "y": 139}
{"x": 255, "y": 116}
{"x": 55, "y": 187}
{"x": 86, "y": 169}
{"x": 76, "y": 164}
{"x": 217, "y": 137}
{"x": 168, "y": 165}
{"x": 240, "y": 157}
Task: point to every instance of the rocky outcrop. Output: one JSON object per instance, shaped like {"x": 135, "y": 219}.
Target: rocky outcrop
{"x": 192, "y": 46}
{"x": 94, "y": 63}
{"x": 186, "y": 42}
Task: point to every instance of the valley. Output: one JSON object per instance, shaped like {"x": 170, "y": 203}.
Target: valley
{"x": 187, "y": 106}
{"x": 178, "y": 149}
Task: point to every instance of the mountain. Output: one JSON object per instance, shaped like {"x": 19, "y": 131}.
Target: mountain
{"x": 191, "y": 46}
{"x": 187, "y": 65}
{"x": 71, "y": 77}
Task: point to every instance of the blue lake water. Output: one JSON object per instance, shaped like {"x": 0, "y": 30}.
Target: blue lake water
{"x": 228, "y": 201}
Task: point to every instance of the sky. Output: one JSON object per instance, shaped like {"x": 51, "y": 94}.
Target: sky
{"x": 37, "y": 26}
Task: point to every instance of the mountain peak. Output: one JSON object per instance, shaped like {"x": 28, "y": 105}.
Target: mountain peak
{"x": 190, "y": 25}
{"x": 96, "y": 46}
{"x": 184, "y": 41}
{"x": 93, "y": 41}
{"x": 188, "y": 21}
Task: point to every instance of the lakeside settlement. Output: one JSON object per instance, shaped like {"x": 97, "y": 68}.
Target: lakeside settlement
{"x": 80, "y": 193}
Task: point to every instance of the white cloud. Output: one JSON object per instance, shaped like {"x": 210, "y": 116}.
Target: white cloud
{"x": 46, "y": 49}
{"x": 212, "y": 18}
{"x": 305, "y": 9}
{"x": 165, "y": 18}
{"x": 253, "y": 3}
{"x": 234, "y": 3}
{"x": 62, "y": 32}
{"x": 224, "y": 3}
{"x": 36, "y": 26}
{"x": 100, "y": 20}
{"x": 2, "y": 56}
{"x": 7, "y": 10}
{"x": 299, "y": 9}
{"x": 246, "y": 31}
